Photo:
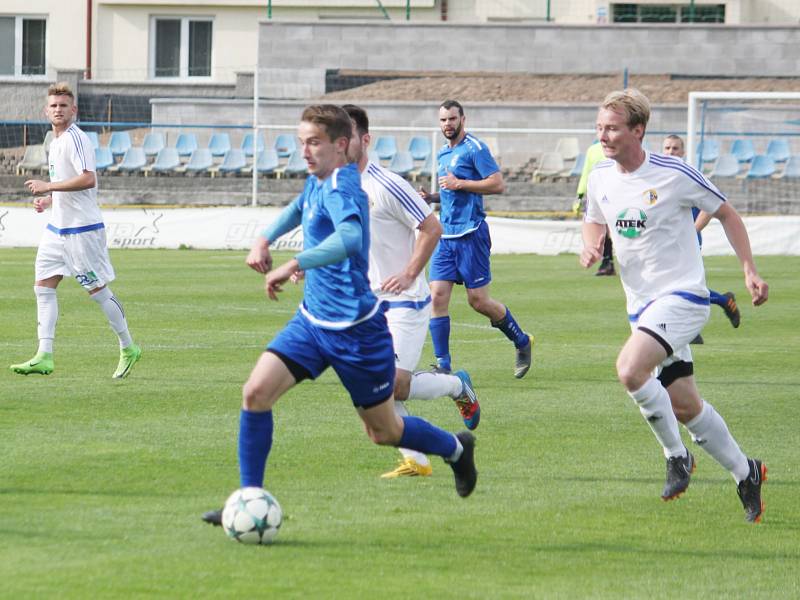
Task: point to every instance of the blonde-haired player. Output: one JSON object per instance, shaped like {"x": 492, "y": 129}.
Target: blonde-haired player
{"x": 74, "y": 243}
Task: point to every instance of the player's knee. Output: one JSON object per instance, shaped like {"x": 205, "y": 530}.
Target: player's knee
{"x": 255, "y": 397}
{"x": 402, "y": 385}
{"x": 479, "y": 303}
{"x": 630, "y": 376}
{"x": 383, "y": 437}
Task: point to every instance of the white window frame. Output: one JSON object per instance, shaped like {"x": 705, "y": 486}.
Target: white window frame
{"x": 183, "y": 60}
{"x": 18, "y": 19}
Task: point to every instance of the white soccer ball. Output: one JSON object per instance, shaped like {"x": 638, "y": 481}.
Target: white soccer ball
{"x": 251, "y": 516}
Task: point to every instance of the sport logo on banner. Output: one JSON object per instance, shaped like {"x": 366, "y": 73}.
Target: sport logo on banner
{"x": 135, "y": 235}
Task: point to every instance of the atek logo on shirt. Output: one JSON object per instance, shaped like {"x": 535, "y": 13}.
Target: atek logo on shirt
{"x": 631, "y": 223}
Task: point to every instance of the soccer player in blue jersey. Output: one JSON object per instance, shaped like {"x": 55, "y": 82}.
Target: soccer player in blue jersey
{"x": 673, "y": 146}
{"x": 466, "y": 171}
{"x": 340, "y": 322}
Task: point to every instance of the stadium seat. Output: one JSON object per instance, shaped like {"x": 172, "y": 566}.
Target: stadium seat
{"x": 167, "y": 160}
{"x": 743, "y": 150}
{"x": 268, "y": 162}
{"x": 153, "y": 143}
{"x": 94, "y": 138}
{"x": 119, "y": 143}
{"x": 247, "y": 144}
{"x": 186, "y": 144}
{"x": 707, "y": 151}
{"x": 420, "y": 147}
{"x": 792, "y": 168}
{"x": 577, "y": 168}
{"x": 233, "y": 162}
{"x": 219, "y": 144}
{"x": 386, "y": 147}
{"x": 779, "y": 150}
{"x": 133, "y": 160}
{"x": 568, "y": 148}
{"x": 48, "y": 137}
{"x": 103, "y": 158}
{"x": 727, "y": 165}
{"x": 34, "y": 159}
{"x": 200, "y": 161}
{"x": 550, "y": 165}
{"x": 285, "y": 145}
{"x": 425, "y": 170}
{"x": 762, "y": 166}
{"x": 402, "y": 163}
{"x": 373, "y": 156}
{"x": 296, "y": 166}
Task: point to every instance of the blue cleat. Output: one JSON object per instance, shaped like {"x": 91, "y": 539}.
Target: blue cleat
{"x": 467, "y": 401}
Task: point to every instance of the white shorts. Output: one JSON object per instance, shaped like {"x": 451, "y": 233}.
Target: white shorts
{"x": 83, "y": 256}
{"x": 674, "y": 322}
{"x": 409, "y": 327}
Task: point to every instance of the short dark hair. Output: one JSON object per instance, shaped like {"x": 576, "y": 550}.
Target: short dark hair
{"x": 448, "y": 104}
{"x": 359, "y": 116}
{"x": 333, "y": 118}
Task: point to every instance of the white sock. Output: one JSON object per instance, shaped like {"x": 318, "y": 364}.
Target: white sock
{"x": 429, "y": 386}
{"x": 457, "y": 454}
{"x": 710, "y": 432}
{"x": 656, "y": 408}
{"x": 402, "y": 411}
{"x": 116, "y": 316}
{"x": 47, "y": 315}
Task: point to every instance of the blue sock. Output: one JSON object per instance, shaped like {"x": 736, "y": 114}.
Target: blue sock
{"x": 717, "y": 298}
{"x": 255, "y": 441}
{"x": 421, "y": 436}
{"x": 512, "y": 330}
{"x": 440, "y": 334}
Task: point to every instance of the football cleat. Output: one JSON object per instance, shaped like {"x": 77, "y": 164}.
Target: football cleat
{"x": 41, "y": 364}
{"x": 731, "y": 310}
{"x": 464, "y": 471}
{"x": 606, "y": 268}
{"x": 213, "y": 517}
{"x": 127, "y": 358}
{"x": 679, "y": 470}
{"x": 408, "y": 467}
{"x": 523, "y": 361}
{"x": 698, "y": 340}
{"x": 749, "y": 490}
{"x": 467, "y": 401}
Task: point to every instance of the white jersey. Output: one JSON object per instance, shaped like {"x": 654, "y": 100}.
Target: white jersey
{"x": 649, "y": 214}
{"x": 395, "y": 212}
{"x": 71, "y": 153}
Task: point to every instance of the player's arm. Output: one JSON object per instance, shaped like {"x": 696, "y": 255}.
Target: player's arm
{"x": 430, "y": 230}
{"x": 84, "y": 181}
{"x": 701, "y": 221}
{"x": 428, "y": 196}
{"x": 493, "y": 184}
{"x": 259, "y": 258}
{"x": 736, "y": 233}
{"x": 594, "y": 235}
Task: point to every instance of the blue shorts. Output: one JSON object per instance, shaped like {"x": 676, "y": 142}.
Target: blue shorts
{"x": 362, "y": 355}
{"x": 464, "y": 259}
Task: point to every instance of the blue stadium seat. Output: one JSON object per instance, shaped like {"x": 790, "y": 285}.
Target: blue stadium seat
{"x": 153, "y": 143}
{"x": 402, "y": 163}
{"x": 247, "y": 144}
{"x": 762, "y": 166}
{"x": 167, "y": 160}
{"x": 386, "y": 147}
{"x": 296, "y": 165}
{"x": 727, "y": 165}
{"x": 219, "y": 144}
{"x": 268, "y": 161}
{"x": 93, "y": 137}
{"x": 119, "y": 143}
{"x": 200, "y": 160}
{"x": 285, "y": 145}
{"x": 792, "y": 168}
{"x": 420, "y": 147}
{"x": 779, "y": 149}
{"x": 233, "y": 162}
{"x": 577, "y": 168}
{"x": 103, "y": 158}
{"x": 133, "y": 160}
{"x": 186, "y": 144}
{"x": 743, "y": 150}
{"x": 425, "y": 170}
{"x": 707, "y": 151}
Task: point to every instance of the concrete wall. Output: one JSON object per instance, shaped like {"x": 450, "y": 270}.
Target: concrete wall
{"x": 293, "y": 57}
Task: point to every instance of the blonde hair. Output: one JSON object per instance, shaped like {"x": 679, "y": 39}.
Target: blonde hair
{"x": 60, "y": 89}
{"x": 633, "y": 103}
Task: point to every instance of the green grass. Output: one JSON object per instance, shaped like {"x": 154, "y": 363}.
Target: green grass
{"x": 102, "y": 482}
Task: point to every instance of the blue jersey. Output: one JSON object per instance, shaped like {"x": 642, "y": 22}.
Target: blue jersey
{"x": 462, "y": 212}
{"x": 336, "y": 295}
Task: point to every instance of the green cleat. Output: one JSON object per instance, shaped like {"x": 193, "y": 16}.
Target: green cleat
{"x": 127, "y": 358}
{"x": 41, "y": 364}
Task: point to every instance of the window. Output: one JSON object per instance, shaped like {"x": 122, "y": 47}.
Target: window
{"x": 181, "y": 47}
{"x": 668, "y": 13}
{"x": 23, "y": 45}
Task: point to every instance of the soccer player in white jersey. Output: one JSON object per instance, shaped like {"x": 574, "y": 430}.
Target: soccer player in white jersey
{"x": 397, "y": 259}
{"x": 74, "y": 243}
{"x": 646, "y": 200}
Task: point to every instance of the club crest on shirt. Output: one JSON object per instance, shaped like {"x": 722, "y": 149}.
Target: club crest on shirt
{"x": 454, "y": 161}
{"x": 631, "y": 223}
{"x": 651, "y": 197}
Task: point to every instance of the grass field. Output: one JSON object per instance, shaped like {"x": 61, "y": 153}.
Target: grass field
{"x": 102, "y": 482}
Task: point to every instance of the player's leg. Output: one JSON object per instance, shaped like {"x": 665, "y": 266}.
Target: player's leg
{"x": 129, "y": 353}
{"x": 607, "y": 265}
{"x": 413, "y": 463}
{"x": 727, "y": 302}
{"x": 443, "y": 275}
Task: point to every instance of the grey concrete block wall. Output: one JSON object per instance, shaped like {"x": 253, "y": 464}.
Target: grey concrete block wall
{"x": 290, "y": 52}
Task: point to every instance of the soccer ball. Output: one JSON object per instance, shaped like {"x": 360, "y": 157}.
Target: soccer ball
{"x": 251, "y": 516}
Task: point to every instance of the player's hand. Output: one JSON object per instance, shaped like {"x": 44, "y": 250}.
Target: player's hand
{"x": 277, "y": 277}
{"x": 259, "y": 258}
{"x": 758, "y": 288}
{"x": 41, "y": 203}
{"x": 37, "y": 187}
{"x": 297, "y": 277}
{"x": 589, "y": 256}
{"x": 449, "y": 182}
{"x": 397, "y": 283}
